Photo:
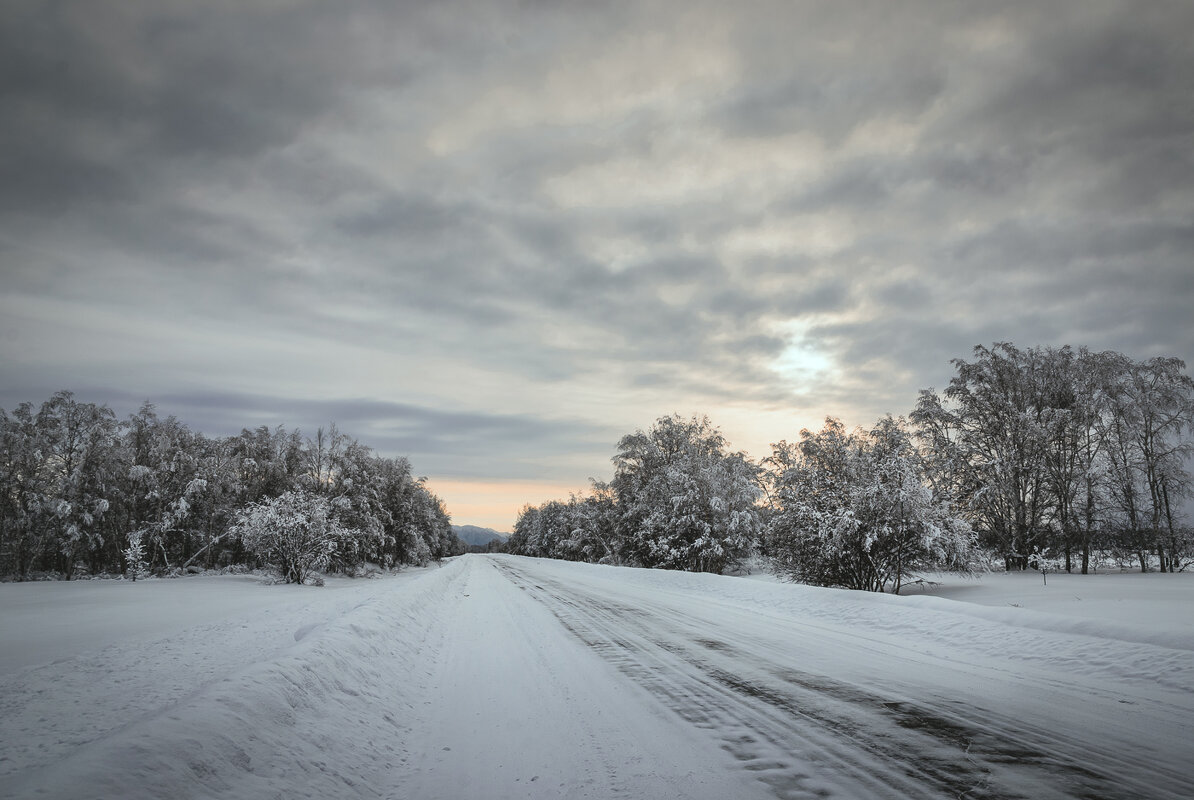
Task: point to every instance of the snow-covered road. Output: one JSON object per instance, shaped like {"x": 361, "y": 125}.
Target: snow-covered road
{"x": 834, "y": 699}
{"x": 497, "y": 677}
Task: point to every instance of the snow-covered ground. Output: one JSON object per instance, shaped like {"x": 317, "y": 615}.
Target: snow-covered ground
{"x": 496, "y": 676}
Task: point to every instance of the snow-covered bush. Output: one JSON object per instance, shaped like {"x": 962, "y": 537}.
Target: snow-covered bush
{"x": 852, "y": 510}
{"x": 294, "y": 531}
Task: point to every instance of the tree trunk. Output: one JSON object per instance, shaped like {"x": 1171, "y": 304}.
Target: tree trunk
{"x": 1174, "y": 557}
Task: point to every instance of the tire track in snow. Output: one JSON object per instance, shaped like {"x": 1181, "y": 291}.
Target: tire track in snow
{"x": 808, "y": 735}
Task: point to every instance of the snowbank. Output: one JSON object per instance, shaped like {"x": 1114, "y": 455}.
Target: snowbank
{"x": 261, "y": 703}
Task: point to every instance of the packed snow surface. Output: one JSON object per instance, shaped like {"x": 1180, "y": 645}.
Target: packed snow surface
{"x": 505, "y": 677}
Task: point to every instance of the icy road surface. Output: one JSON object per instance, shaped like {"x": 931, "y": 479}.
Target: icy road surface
{"x": 503, "y": 677}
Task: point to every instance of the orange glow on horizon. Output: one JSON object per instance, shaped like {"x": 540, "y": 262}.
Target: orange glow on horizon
{"x": 495, "y": 504}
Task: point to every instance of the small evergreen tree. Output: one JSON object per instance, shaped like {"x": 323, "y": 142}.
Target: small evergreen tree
{"x": 134, "y": 556}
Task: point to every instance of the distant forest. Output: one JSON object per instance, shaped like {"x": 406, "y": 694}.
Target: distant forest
{"x": 1039, "y": 457}
{"x": 82, "y": 492}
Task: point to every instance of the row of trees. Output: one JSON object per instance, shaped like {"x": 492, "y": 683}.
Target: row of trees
{"x": 836, "y": 509}
{"x": 82, "y": 490}
{"x": 1033, "y": 455}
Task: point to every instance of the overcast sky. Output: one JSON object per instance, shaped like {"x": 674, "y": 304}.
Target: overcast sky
{"x": 494, "y": 237}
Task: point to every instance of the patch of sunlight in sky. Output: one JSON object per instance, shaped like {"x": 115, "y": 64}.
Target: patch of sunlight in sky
{"x": 801, "y": 361}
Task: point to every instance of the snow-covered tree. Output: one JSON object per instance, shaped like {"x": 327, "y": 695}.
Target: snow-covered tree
{"x": 296, "y": 531}
{"x": 685, "y": 502}
{"x": 271, "y": 461}
{"x": 77, "y": 444}
{"x": 995, "y": 409}
{"x": 23, "y": 486}
{"x": 519, "y": 542}
{"x": 1146, "y": 432}
{"x": 853, "y": 510}
{"x": 1074, "y": 400}
{"x": 403, "y": 540}
{"x": 213, "y": 498}
{"x": 161, "y": 484}
{"x": 134, "y": 556}
{"x": 594, "y": 532}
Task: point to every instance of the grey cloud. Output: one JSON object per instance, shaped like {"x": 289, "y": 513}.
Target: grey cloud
{"x": 1096, "y": 75}
{"x": 905, "y": 292}
{"x": 834, "y": 98}
{"x": 404, "y": 216}
{"x": 202, "y": 163}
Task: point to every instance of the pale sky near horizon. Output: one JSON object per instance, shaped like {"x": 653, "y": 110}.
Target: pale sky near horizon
{"x": 496, "y": 236}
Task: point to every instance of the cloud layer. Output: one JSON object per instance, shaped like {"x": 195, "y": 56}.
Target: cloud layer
{"x": 495, "y": 236}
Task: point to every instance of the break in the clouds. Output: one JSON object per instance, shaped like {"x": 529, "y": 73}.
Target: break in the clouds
{"x": 492, "y": 236}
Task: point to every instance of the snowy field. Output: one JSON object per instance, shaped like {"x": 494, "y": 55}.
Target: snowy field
{"x": 505, "y": 677}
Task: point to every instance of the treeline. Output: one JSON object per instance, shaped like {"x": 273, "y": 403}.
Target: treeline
{"x": 1039, "y": 457}
{"x": 81, "y": 490}
{"x": 836, "y": 509}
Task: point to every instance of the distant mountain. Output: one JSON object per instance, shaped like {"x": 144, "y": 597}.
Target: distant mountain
{"x": 475, "y": 536}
